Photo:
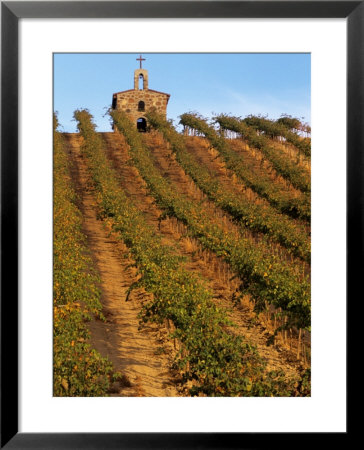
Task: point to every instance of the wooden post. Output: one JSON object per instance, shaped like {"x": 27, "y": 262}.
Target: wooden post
{"x": 299, "y": 344}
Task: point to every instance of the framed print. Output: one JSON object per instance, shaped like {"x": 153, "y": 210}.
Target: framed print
{"x": 196, "y": 117}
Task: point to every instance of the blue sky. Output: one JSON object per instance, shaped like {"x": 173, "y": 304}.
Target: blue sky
{"x": 238, "y": 83}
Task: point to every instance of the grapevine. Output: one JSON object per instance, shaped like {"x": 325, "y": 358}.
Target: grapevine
{"x": 219, "y": 363}
{"x": 267, "y": 279}
{"x": 283, "y": 201}
{"x": 255, "y": 217}
{"x": 78, "y": 369}
{"x": 281, "y": 127}
{"x": 248, "y": 130}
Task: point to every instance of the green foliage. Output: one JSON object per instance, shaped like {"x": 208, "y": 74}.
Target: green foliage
{"x": 218, "y": 363}
{"x": 55, "y": 122}
{"x": 281, "y": 200}
{"x": 256, "y": 217}
{"x": 264, "y": 275}
{"x": 78, "y": 369}
{"x": 248, "y": 130}
{"x": 282, "y": 127}
{"x": 292, "y": 123}
{"x": 304, "y": 386}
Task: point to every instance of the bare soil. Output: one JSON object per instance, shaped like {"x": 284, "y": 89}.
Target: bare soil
{"x": 212, "y": 269}
{"x": 142, "y": 355}
{"x": 168, "y": 166}
{"x": 255, "y": 159}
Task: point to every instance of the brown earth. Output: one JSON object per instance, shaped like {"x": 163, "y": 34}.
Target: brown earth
{"x": 143, "y": 356}
{"x": 262, "y": 167}
{"x": 209, "y": 157}
{"x": 294, "y": 154}
{"x": 168, "y": 166}
{"x": 214, "y": 271}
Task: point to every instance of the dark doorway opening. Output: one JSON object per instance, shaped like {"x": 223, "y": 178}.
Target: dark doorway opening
{"x": 142, "y": 125}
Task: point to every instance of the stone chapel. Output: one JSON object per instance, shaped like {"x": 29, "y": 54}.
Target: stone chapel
{"x": 138, "y": 101}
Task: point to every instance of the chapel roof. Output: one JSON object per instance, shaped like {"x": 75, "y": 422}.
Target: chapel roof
{"x": 146, "y": 90}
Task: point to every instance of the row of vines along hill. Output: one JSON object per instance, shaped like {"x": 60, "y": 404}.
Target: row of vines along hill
{"x": 266, "y": 249}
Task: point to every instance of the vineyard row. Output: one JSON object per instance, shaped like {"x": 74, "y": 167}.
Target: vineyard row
{"x": 255, "y": 217}
{"x": 296, "y": 207}
{"x": 275, "y": 129}
{"x": 288, "y": 169}
{"x": 79, "y": 370}
{"x": 218, "y": 363}
{"x": 269, "y": 281}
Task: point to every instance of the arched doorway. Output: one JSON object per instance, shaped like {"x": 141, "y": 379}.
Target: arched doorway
{"x": 142, "y": 125}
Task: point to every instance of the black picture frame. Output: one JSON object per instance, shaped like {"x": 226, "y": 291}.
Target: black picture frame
{"x": 11, "y": 12}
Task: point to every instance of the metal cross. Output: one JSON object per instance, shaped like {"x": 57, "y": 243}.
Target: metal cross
{"x": 140, "y": 59}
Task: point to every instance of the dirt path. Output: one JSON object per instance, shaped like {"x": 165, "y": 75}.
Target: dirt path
{"x": 216, "y": 273}
{"x": 143, "y": 356}
{"x": 171, "y": 169}
{"x": 209, "y": 158}
{"x": 294, "y": 154}
{"x": 263, "y": 167}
